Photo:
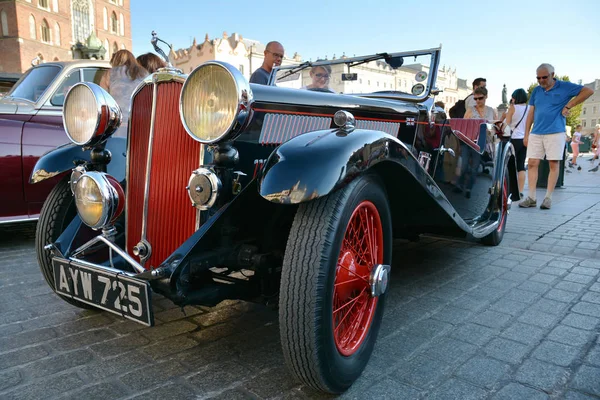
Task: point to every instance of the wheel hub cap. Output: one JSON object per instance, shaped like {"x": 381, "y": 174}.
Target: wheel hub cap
{"x": 380, "y": 276}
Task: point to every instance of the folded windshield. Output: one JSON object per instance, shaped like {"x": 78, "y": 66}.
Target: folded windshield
{"x": 34, "y": 83}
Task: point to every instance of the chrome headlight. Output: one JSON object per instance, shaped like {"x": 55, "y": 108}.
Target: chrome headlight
{"x": 90, "y": 114}
{"x": 215, "y": 102}
{"x": 99, "y": 199}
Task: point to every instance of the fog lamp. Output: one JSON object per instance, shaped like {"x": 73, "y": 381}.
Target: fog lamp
{"x": 99, "y": 199}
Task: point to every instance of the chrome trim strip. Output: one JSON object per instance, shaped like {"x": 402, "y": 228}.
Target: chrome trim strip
{"x": 10, "y": 221}
{"x": 149, "y": 163}
{"x": 113, "y": 246}
{"x": 201, "y": 164}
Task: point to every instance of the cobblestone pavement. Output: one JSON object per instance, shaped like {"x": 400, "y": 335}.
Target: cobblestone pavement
{"x": 463, "y": 321}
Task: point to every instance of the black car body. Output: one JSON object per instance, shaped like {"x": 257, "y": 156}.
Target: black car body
{"x": 230, "y": 190}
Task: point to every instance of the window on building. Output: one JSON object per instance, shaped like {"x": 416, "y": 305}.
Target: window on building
{"x": 113, "y": 1}
{"x": 105, "y": 16}
{"x": 107, "y": 48}
{"x": 45, "y": 30}
{"x": 593, "y": 122}
{"x": 43, "y": 4}
{"x": 32, "y": 28}
{"x": 55, "y": 5}
{"x": 584, "y": 123}
{"x": 584, "y": 110}
{"x": 594, "y": 110}
{"x": 114, "y": 23}
{"x": 57, "y": 34}
{"x": 81, "y": 20}
{"x": 121, "y": 25}
{"x": 369, "y": 82}
{"x": 4, "y": 23}
{"x": 115, "y": 47}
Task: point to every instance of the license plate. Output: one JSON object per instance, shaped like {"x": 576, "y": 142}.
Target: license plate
{"x": 110, "y": 291}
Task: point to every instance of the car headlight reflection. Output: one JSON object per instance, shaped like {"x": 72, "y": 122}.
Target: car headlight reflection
{"x": 90, "y": 114}
{"x": 99, "y": 199}
{"x": 214, "y": 102}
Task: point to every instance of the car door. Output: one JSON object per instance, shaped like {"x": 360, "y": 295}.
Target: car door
{"x": 45, "y": 132}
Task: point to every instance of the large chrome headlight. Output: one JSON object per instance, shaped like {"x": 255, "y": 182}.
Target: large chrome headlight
{"x": 90, "y": 114}
{"x": 99, "y": 199}
{"x": 215, "y": 102}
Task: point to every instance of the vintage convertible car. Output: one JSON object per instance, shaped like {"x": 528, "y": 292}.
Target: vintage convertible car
{"x": 31, "y": 125}
{"x": 230, "y": 190}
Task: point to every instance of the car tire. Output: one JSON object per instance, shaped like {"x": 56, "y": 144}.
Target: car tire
{"x": 314, "y": 278}
{"x": 57, "y": 212}
{"x": 494, "y": 238}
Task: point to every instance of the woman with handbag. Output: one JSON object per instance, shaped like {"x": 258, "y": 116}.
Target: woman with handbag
{"x": 516, "y": 120}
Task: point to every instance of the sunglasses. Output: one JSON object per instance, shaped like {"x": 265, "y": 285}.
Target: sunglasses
{"x": 276, "y": 55}
{"x": 539, "y": 78}
{"x": 478, "y": 98}
{"x": 321, "y": 76}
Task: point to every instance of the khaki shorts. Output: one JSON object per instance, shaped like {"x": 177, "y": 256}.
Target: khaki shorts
{"x": 552, "y": 146}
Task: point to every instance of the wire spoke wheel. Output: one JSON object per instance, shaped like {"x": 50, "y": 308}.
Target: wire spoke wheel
{"x": 353, "y": 305}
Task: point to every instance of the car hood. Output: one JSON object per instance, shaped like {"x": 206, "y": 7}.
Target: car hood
{"x": 9, "y": 105}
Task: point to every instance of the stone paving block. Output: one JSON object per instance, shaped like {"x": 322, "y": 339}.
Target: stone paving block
{"x": 386, "y": 388}
{"x": 578, "y": 396}
{"x": 585, "y": 271}
{"x": 566, "y": 250}
{"x": 59, "y": 363}
{"x": 593, "y": 356}
{"x": 515, "y": 391}
{"x": 491, "y": 319}
{"x": 484, "y": 372}
{"x": 537, "y": 287}
{"x": 82, "y": 339}
{"x": 452, "y": 315}
{"x": 549, "y": 306}
{"x": 101, "y": 391}
{"x": 144, "y": 378}
{"x": 553, "y": 271}
{"x": 26, "y": 338}
{"x": 45, "y": 389}
{"x": 84, "y": 324}
{"x": 532, "y": 262}
{"x": 581, "y": 321}
{"x": 510, "y": 307}
{"x": 100, "y": 369}
{"x": 472, "y": 303}
{"x": 561, "y": 295}
{"x": 473, "y": 333}
{"x": 586, "y": 308}
{"x": 542, "y": 375}
{"x": 591, "y": 297}
{"x": 569, "y": 335}
{"x": 217, "y": 316}
{"x": 590, "y": 264}
{"x": 119, "y": 345}
{"x": 22, "y": 356}
{"x": 177, "y": 313}
{"x": 270, "y": 383}
{"x": 169, "y": 329}
{"x": 428, "y": 328}
{"x": 507, "y": 350}
{"x": 556, "y": 353}
{"x": 524, "y": 333}
{"x": 581, "y": 252}
{"x": 169, "y": 346}
{"x": 241, "y": 394}
{"x": 561, "y": 264}
{"x": 449, "y": 350}
{"x": 10, "y": 379}
{"x": 421, "y": 371}
{"x": 587, "y": 245}
{"x": 514, "y": 276}
{"x": 501, "y": 284}
{"x": 546, "y": 248}
{"x": 543, "y": 278}
{"x": 570, "y": 286}
{"x": 217, "y": 377}
{"x": 578, "y": 278}
{"x": 522, "y": 296}
{"x": 398, "y": 346}
{"x": 457, "y": 389}
{"x": 586, "y": 380}
{"x": 595, "y": 287}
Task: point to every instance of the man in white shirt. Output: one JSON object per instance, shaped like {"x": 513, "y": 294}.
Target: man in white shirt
{"x": 469, "y": 100}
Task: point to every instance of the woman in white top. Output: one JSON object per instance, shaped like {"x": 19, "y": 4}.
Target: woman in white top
{"x": 516, "y": 118}
{"x": 481, "y": 111}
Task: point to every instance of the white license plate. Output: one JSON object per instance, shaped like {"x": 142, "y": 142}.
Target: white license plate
{"x": 110, "y": 291}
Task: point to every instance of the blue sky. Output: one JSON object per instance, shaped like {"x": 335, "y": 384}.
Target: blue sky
{"x": 501, "y": 41}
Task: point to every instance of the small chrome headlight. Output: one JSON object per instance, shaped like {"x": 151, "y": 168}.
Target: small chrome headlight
{"x": 215, "y": 102}
{"x": 90, "y": 114}
{"x": 99, "y": 199}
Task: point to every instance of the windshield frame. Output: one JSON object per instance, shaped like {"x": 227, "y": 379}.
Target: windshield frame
{"x": 26, "y": 75}
{"x": 430, "y": 88}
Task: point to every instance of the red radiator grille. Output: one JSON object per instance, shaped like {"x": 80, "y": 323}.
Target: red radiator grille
{"x": 171, "y": 219}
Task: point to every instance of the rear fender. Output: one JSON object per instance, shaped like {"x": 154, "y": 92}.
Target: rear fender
{"x": 67, "y": 156}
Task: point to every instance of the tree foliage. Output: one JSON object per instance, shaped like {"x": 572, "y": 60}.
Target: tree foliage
{"x": 573, "y": 118}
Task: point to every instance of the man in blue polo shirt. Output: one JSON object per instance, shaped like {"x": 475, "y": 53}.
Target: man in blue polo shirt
{"x": 549, "y": 105}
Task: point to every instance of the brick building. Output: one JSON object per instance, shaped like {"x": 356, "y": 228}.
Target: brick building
{"x": 60, "y": 30}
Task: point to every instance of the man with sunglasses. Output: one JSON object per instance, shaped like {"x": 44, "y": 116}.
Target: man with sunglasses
{"x": 549, "y": 106}
{"x": 273, "y": 57}
{"x": 470, "y": 100}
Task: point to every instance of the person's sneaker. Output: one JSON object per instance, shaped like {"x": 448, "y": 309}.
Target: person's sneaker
{"x": 546, "y": 204}
{"x": 594, "y": 169}
{"x": 528, "y": 202}
{"x": 571, "y": 165}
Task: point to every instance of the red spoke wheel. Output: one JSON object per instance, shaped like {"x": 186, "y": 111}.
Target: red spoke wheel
{"x": 494, "y": 238}
{"x": 329, "y": 320}
{"x": 353, "y": 305}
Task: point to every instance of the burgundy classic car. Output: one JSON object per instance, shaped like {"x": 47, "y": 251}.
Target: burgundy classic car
{"x": 30, "y": 126}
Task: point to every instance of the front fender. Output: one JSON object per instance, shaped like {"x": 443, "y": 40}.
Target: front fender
{"x": 317, "y": 163}
{"x": 67, "y": 156}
